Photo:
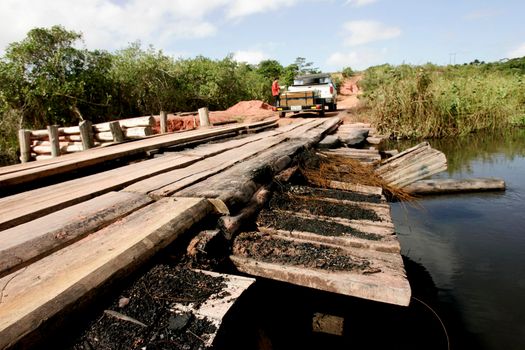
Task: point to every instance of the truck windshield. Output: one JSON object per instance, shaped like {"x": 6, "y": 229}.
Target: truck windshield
{"x": 311, "y": 81}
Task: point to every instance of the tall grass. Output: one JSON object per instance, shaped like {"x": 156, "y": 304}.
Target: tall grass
{"x": 432, "y": 101}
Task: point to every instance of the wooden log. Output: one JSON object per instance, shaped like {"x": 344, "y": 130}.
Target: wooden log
{"x": 52, "y": 131}
{"x": 42, "y": 157}
{"x": 116, "y": 131}
{"x": 33, "y": 240}
{"x": 444, "y": 186}
{"x": 163, "y": 122}
{"x": 230, "y": 225}
{"x": 24, "y": 140}
{"x": 226, "y": 156}
{"x": 37, "y": 297}
{"x": 86, "y": 134}
{"x": 330, "y": 141}
{"x": 204, "y": 117}
{"x": 138, "y": 132}
{"x": 126, "y": 123}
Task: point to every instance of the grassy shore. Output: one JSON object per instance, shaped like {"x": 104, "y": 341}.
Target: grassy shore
{"x": 437, "y": 101}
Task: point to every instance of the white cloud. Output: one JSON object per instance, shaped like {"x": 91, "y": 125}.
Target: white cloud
{"x": 240, "y": 8}
{"x": 359, "y": 59}
{"x": 359, "y": 3}
{"x": 518, "y": 51}
{"x": 362, "y": 32}
{"x": 251, "y": 57}
{"x": 110, "y": 25}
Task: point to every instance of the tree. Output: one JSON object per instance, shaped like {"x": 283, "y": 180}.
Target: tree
{"x": 270, "y": 69}
{"x": 44, "y": 77}
{"x": 305, "y": 67}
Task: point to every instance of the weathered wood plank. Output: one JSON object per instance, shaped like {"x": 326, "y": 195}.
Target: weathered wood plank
{"x": 438, "y": 186}
{"x": 237, "y": 184}
{"x": 22, "y": 173}
{"x": 29, "y": 205}
{"x": 381, "y": 277}
{"x": 33, "y": 296}
{"x": 169, "y": 183}
{"x": 25, "y": 243}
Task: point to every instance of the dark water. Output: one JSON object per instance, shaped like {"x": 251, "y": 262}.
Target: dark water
{"x": 473, "y": 245}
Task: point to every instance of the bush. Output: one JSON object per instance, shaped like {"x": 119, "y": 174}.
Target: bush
{"x": 432, "y": 101}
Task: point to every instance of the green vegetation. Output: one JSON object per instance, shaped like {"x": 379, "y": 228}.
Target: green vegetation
{"x": 435, "y": 101}
{"x": 46, "y": 79}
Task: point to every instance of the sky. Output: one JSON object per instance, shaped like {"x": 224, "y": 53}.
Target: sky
{"x": 330, "y": 33}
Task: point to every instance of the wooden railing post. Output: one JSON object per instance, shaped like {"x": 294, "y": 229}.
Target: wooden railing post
{"x": 86, "y": 134}
{"x": 116, "y": 131}
{"x": 24, "y": 139}
{"x": 163, "y": 122}
{"x": 204, "y": 117}
{"x": 52, "y": 131}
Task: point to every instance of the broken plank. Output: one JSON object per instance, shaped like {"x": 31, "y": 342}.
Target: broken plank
{"x": 347, "y": 186}
{"x": 356, "y": 272}
{"x": 33, "y": 240}
{"x": 444, "y": 186}
{"x": 35, "y": 296}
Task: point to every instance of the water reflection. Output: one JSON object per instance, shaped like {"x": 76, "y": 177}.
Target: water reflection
{"x": 473, "y": 244}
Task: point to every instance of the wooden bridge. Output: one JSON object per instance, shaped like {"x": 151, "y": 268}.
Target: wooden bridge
{"x": 73, "y": 225}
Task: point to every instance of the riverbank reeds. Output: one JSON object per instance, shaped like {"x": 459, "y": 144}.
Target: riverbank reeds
{"x": 434, "y": 101}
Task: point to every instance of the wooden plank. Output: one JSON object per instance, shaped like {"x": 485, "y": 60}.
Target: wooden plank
{"x": 29, "y": 205}
{"x": 346, "y": 186}
{"x": 35, "y": 296}
{"x": 22, "y": 173}
{"x": 169, "y": 183}
{"x": 33, "y": 240}
{"x": 20, "y": 208}
{"x": 443, "y": 186}
{"x": 237, "y": 184}
{"x": 377, "y": 276}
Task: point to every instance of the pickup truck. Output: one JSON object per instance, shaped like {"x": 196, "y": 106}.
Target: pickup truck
{"x": 312, "y": 93}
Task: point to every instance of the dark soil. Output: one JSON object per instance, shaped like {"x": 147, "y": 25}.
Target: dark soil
{"x": 335, "y": 194}
{"x": 270, "y": 249}
{"x": 151, "y": 299}
{"x": 283, "y": 221}
{"x": 286, "y": 201}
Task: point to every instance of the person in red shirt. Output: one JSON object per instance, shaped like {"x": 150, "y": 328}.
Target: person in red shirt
{"x": 275, "y": 92}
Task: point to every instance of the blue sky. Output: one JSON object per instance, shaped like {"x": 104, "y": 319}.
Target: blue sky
{"x": 331, "y": 33}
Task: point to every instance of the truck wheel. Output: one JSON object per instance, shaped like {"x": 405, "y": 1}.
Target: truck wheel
{"x": 335, "y": 106}
{"x": 331, "y": 107}
{"x": 282, "y": 114}
{"x": 321, "y": 113}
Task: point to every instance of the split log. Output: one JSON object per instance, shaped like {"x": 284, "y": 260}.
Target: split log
{"x": 38, "y": 297}
{"x": 330, "y": 141}
{"x": 230, "y": 225}
{"x": 137, "y": 132}
{"x": 126, "y": 123}
{"x": 353, "y": 137}
{"x": 204, "y": 117}
{"x": 52, "y": 131}
{"x": 414, "y": 164}
{"x": 33, "y": 240}
{"x": 24, "y": 140}
{"x": 163, "y": 122}
{"x": 116, "y": 131}
{"x": 86, "y": 134}
{"x": 444, "y": 186}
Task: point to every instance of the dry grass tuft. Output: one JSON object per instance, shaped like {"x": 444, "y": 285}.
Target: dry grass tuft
{"x": 325, "y": 168}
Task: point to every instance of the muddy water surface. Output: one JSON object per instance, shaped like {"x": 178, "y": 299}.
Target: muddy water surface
{"x": 473, "y": 245}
